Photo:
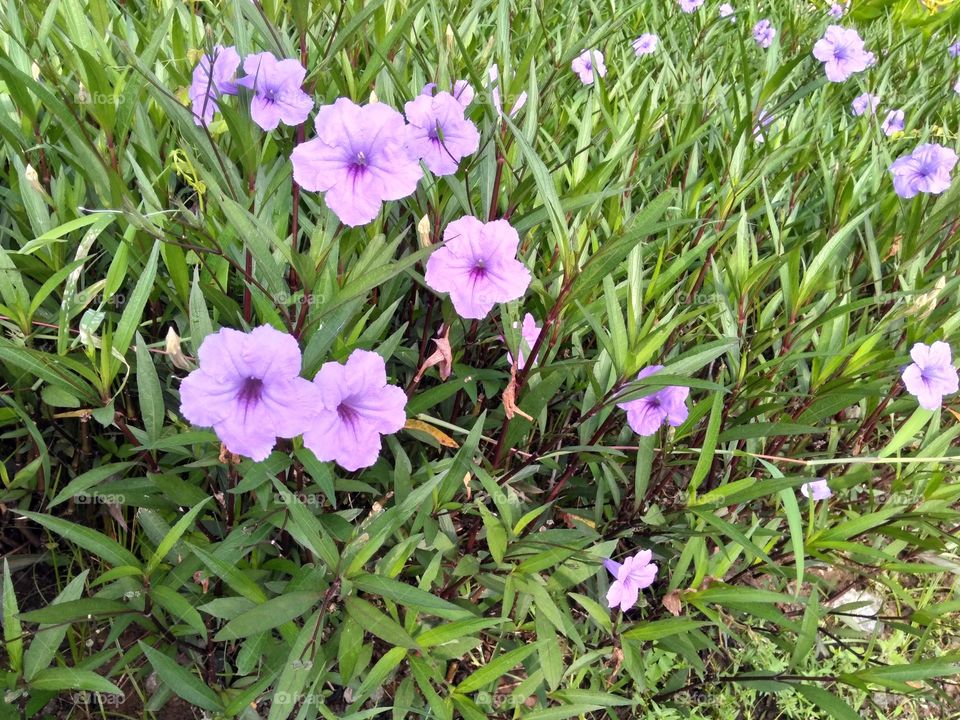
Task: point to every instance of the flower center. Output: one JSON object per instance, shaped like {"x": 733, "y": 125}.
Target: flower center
{"x": 250, "y": 392}
{"x": 361, "y": 159}
{"x": 479, "y": 270}
{"x": 347, "y": 414}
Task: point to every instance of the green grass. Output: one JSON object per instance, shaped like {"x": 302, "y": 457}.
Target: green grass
{"x": 784, "y": 282}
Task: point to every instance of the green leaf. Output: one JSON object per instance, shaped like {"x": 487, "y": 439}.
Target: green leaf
{"x": 656, "y": 629}
{"x": 48, "y": 638}
{"x": 133, "y": 312}
{"x": 230, "y": 574}
{"x": 180, "y": 680}
{"x": 375, "y": 622}
{"x": 495, "y": 669}
{"x": 795, "y": 522}
{"x": 273, "y": 613}
{"x": 172, "y": 537}
{"x": 149, "y": 392}
{"x": 409, "y": 596}
{"x": 63, "y": 678}
{"x": 827, "y": 701}
{"x": 12, "y": 632}
{"x": 90, "y": 479}
{"x": 110, "y": 551}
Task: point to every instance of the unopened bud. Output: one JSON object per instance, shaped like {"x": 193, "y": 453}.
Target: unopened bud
{"x": 423, "y": 232}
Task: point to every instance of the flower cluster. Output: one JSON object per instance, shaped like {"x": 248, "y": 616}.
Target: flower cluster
{"x": 276, "y": 86}
{"x": 249, "y": 390}
{"x": 248, "y": 386}
{"x": 366, "y": 155}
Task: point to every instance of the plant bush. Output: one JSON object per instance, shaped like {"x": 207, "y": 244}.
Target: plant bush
{"x": 663, "y": 335}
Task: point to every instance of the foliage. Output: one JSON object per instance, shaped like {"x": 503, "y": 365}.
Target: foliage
{"x": 461, "y": 576}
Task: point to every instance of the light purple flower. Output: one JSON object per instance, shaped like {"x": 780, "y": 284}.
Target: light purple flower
{"x": 645, "y": 44}
{"x": 956, "y": 88}
{"x": 865, "y": 103}
{"x": 763, "y": 120}
{"x": 954, "y": 49}
{"x": 277, "y": 93}
{"x": 207, "y": 86}
{"x": 359, "y": 159}
{"x": 763, "y": 33}
{"x": 588, "y": 64}
{"x": 931, "y": 375}
{"x": 816, "y": 489}
{"x": 478, "y": 266}
{"x": 529, "y": 332}
{"x": 493, "y": 83}
{"x": 726, "y": 11}
{"x": 893, "y": 123}
{"x": 842, "y": 52}
{"x": 837, "y": 10}
{"x": 635, "y": 574}
{"x": 462, "y": 90}
{"x": 249, "y": 390}
{"x": 438, "y": 132}
{"x": 927, "y": 169}
{"x": 645, "y": 415}
{"x": 689, "y": 6}
{"x": 356, "y": 407}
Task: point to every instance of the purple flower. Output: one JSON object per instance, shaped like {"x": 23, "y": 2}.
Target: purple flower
{"x": 954, "y": 49}
{"x": 438, "y": 132}
{"x": 926, "y": 169}
{"x": 837, "y": 10}
{"x": 635, "y": 574}
{"x": 249, "y": 390}
{"x": 956, "y": 88}
{"x": 356, "y": 407}
{"x": 478, "y": 266}
{"x": 842, "y": 52}
{"x": 359, "y": 159}
{"x": 529, "y": 332}
{"x": 277, "y": 94}
{"x": 207, "y": 86}
{"x": 462, "y": 90}
{"x": 689, "y": 6}
{"x": 763, "y": 120}
{"x": 645, "y": 44}
{"x": 726, "y": 11}
{"x": 893, "y": 123}
{"x": 763, "y": 33}
{"x": 816, "y": 489}
{"x": 931, "y": 375}
{"x": 646, "y": 414}
{"x": 865, "y": 103}
{"x": 588, "y": 63}
{"x": 493, "y": 76}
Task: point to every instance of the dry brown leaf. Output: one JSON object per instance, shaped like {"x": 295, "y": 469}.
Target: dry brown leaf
{"x": 617, "y": 662}
{"x": 510, "y": 398}
{"x": 227, "y": 457}
{"x": 442, "y": 356}
{"x": 671, "y": 601}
